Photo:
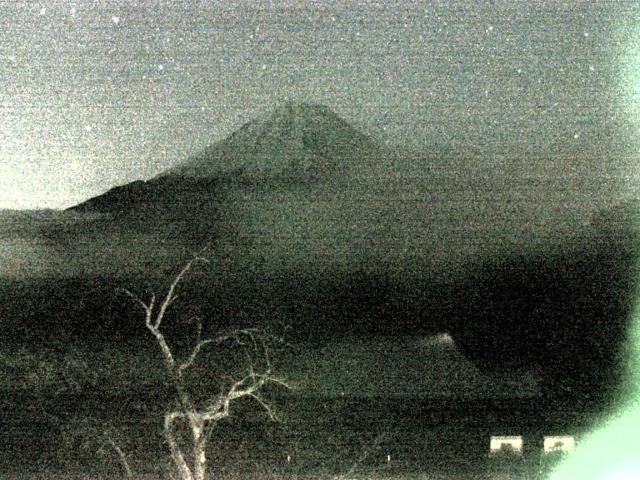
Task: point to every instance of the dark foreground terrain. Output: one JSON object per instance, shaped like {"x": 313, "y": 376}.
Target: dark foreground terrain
{"x": 322, "y": 437}
{"x": 52, "y": 424}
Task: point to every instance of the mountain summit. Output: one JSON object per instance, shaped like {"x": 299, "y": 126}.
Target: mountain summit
{"x": 307, "y": 140}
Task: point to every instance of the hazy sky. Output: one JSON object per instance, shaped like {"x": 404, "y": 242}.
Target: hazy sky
{"x": 97, "y": 93}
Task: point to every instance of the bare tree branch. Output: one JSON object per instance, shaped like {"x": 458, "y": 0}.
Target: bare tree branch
{"x": 233, "y": 335}
{"x": 268, "y": 408}
{"x": 170, "y": 297}
{"x": 121, "y": 456}
{"x": 194, "y": 354}
{"x": 237, "y": 335}
{"x": 147, "y": 308}
{"x": 202, "y": 419}
{"x": 363, "y": 456}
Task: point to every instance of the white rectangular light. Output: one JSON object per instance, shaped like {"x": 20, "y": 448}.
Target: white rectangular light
{"x": 509, "y": 445}
{"x": 559, "y": 444}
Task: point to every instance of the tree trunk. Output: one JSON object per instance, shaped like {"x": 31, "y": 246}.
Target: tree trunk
{"x": 199, "y": 455}
{"x": 176, "y": 454}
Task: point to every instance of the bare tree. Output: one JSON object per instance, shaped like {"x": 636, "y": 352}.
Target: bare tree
{"x": 201, "y": 416}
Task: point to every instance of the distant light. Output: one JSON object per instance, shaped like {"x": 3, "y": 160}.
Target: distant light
{"x": 559, "y": 444}
{"x": 500, "y": 445}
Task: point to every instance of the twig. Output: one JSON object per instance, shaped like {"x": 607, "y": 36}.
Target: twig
{"x": 363, "y": 456}
{"x": 170, "y": 297}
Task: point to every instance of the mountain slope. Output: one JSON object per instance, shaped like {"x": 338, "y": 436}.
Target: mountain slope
{"x": 296, "y": 144}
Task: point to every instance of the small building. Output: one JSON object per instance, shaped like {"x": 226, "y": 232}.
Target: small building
{"x": 509, "y": 445}
{"x": 559, "y": 444}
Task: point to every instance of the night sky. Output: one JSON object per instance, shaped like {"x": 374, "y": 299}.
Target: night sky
{"x": 95, "y": 94}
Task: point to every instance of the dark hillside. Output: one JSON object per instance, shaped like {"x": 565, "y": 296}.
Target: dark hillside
{"x": 563, "y": 311}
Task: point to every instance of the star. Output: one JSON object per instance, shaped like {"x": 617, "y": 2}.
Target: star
{"x": 591, "y": 68}
{"x": 115, "y": 19}
{"x": 161, "y": 67}
{"x": 43, "y": 11}
{"x": 88, "y": 128}
{"x": 576, "y": 135}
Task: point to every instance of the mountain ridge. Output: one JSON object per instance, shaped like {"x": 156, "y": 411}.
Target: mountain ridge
{"x": 297, "y": 142}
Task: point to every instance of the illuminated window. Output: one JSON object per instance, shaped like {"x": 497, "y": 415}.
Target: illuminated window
{"x": 559, "y": 444}
{"x": 505, "y": 445}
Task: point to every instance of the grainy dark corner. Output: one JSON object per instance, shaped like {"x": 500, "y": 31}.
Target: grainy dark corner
{"x": 341, "y": 239}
